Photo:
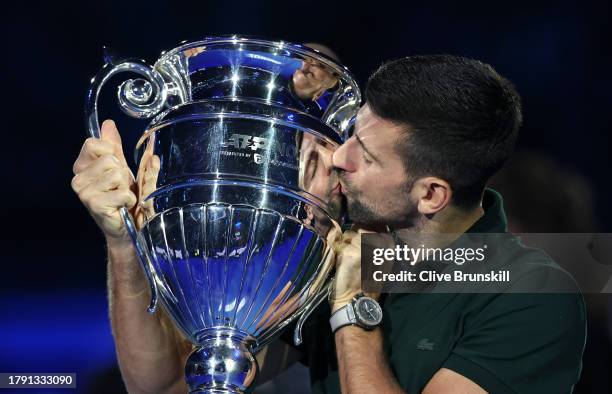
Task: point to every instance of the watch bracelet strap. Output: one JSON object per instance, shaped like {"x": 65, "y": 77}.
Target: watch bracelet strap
{"x": 344, "y": 316}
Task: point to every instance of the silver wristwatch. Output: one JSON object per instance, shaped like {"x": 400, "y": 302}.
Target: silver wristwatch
{"x": 362, "y": 311}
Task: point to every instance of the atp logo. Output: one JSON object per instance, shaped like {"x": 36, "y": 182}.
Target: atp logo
{"x": 244, "y": 141}
{"x": 264, "y": 150}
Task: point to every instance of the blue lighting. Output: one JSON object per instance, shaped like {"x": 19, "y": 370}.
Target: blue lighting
{"x": 65, "y": 331}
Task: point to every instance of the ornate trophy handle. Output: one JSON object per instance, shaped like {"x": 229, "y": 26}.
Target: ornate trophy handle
{"x": 140, "y": 98}
{"x": 311, "y": 306}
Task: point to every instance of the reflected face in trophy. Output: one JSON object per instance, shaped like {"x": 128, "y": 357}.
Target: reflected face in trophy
{"x": 148, "y": 173}
{"x": 312, "y": 80}
{"x": 317, "y": 176}
{"x": 372, "y": 174}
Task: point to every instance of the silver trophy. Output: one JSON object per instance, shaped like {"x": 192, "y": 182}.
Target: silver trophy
{"x": 237, "y": 200}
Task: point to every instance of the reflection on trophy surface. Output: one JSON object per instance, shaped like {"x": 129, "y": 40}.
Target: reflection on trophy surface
{"x": 237, "y": 197}
{"x": 312, "y": 80}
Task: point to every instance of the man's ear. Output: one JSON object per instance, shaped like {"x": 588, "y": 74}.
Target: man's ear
{"x": 431, "y": 194}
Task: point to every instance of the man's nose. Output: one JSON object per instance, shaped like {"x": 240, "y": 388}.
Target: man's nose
{"x": 306, "y": 67}
{"x": 341, "y": 160}
{"x": 327, "y": 160}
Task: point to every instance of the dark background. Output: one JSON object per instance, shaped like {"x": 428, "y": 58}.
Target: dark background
{"x": 52, "y": 286}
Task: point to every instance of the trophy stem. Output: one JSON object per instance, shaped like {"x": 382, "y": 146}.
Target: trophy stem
{"x": 221, "y": 364}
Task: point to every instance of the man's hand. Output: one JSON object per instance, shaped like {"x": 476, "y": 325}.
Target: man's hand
{"x": 104, "y": 182}
{"x": 347, "y": 282}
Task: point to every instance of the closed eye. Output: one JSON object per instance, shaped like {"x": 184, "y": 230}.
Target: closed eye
{"x": 370, "y": 157}
{"x": 312, "y": 163}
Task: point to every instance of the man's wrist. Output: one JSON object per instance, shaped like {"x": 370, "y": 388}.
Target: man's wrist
{"x": 119, "y": 244}
{"x": 337, "y": 303}
{"x": 124, "y": 266}
{"x": 362, "y": 311}
{"x": 354, "y": 331}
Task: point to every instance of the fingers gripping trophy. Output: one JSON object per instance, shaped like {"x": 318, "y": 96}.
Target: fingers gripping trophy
{"x": 237, "y": 200}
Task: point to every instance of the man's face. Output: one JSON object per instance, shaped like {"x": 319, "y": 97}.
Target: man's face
{"x": 372, "y": 175}
{"x": 312, "y": 80}
{"x": 317, "y": 176}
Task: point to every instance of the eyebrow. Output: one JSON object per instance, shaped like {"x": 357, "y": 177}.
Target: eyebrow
{"x": 363, "y": 146}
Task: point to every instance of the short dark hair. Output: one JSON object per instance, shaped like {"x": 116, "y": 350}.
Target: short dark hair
{"x": 462, "y": 119}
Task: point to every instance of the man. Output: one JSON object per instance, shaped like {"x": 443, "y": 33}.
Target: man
{"x": 432, "y": 132}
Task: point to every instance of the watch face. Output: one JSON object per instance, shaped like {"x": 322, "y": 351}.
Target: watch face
{"x": 368, "y": 311}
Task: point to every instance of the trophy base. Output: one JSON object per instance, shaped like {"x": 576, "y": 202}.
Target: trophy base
{"x": 221, "y": 364}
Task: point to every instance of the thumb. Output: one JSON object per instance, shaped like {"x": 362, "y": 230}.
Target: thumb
{"x": 109, "y": 133}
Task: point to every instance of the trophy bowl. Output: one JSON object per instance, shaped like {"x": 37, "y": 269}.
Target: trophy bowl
{"x": 237, "y": 196}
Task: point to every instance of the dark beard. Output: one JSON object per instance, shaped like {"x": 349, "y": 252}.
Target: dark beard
{"x": 360, "y": 214}
{"x": 357, "y": 212}
{"x": 337, "y": 208}
{"x": 367, "y": 217}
